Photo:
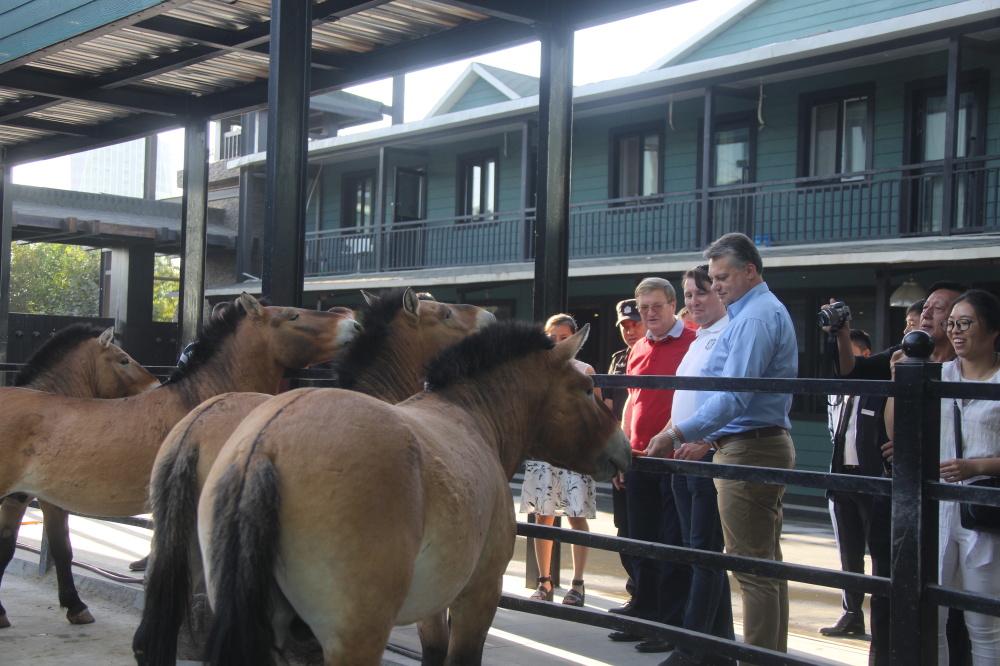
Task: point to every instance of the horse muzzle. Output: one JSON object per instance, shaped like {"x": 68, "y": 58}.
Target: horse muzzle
{"x": 615, "y": 458}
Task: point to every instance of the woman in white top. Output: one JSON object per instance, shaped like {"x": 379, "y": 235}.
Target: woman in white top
{"x": 550, "y": 491}
{"x": 968, "y": 559}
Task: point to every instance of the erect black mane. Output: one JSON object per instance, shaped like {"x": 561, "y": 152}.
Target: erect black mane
{"x": 212, "y": 337}
{"x": 376, "y": 320}
{"x": 484, "y": 350}
{"x": 54, "y": 350}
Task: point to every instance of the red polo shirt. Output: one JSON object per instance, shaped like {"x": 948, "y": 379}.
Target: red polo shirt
{"x": 651, "y": 407}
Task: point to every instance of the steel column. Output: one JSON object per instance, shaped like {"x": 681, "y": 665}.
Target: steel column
{"x": 555, "y": 139}
{"x": 287, "y": 114}
{"x": 948, "y": 207}
{"x": 914, "y": 515}
{"x": 193, "y": 230}
{"x": 6, "y": 233}
{"x": 705, "y": 227}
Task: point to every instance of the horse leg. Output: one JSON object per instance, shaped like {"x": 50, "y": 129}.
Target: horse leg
{"x": 12, "y": 510}
{"x": 471, "y": 616}
{"x": 57, "y": 530}
{"x": 433, "y": 632}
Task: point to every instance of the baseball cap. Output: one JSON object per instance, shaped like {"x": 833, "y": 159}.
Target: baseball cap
{"x": 627, "y": 309}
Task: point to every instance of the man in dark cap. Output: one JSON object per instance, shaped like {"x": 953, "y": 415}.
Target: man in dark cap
{"x": 632, "y": 329}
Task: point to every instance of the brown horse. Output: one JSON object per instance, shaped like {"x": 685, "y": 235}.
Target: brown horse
{"x": 386, "y": 361}
{"x": 95, "y": 456}
{"x": 83, "y": 362}
{"x": 417, "y": 516}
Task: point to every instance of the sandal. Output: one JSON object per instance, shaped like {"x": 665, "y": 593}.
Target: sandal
{"x": 574, "y": 598}
{"x": 541, "y": 594}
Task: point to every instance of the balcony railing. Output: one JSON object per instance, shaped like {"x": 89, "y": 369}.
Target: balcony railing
{"x": 879, "y": 203}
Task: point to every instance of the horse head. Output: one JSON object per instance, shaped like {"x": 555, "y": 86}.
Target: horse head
{"x": 579, "y": 432}
{"x": 296, "y": 337}
{"x": 117, "y": 375}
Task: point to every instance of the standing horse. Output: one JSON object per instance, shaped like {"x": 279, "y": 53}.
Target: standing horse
{"x": 417, "y": 516}
{"x": 386, "y": 361}
{"x": 83, "y": 362}
{"x": 95, "y": 456}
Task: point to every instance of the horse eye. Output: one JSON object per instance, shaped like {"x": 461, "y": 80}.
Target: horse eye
{"x": 124, "y": 361}
{"x": 590, "y": 392}
{"x": 294, "y": 317}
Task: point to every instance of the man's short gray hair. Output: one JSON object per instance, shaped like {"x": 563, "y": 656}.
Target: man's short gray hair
{"x": 739, "y": 248}
{"x": 656, "y": 284}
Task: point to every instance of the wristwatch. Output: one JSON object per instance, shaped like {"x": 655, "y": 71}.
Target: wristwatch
{"x": 673, "y": 436}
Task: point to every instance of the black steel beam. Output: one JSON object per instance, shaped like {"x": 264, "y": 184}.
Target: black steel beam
{"x": 41, "y": 125}
{"x": 194, "y": 227}
{"x": 26, "y": 105}
{"x": 34, "y": 81}
{"x": 287, "y": 139}
{"x": 518, "y": 11}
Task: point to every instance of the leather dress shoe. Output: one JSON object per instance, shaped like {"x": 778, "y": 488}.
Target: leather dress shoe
{"x": 625, "y": 637}
{"x": 849, "y": 624}
{"x": 627, "y": 609}
{"x": 675, "y": 658}
{"x": 654, "y": 645}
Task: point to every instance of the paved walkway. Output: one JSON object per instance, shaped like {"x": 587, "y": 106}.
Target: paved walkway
{"x": 41, "y": 635}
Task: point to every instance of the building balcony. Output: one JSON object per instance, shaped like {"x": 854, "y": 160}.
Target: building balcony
{"x": 900, "y": 202}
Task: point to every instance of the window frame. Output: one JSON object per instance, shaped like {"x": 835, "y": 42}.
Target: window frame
{"x": 465, "y": 162}
{"x": 807, "y": 103}
{"x": 640, "y": 130}
{"x": 347, "y": 197}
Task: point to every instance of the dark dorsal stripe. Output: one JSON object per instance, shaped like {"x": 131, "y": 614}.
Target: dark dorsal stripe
{"x": 376, "y": 321}
{"x": 212, "y": 338}
{"x": 55, "y": 349}
{"x": 485, "y": 350}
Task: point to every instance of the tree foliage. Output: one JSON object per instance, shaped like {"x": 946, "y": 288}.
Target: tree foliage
{"x": 165, "y": 306}
{"x": 47, "y": 278}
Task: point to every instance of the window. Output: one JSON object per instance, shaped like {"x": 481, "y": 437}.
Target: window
{"x": 477, "y": 187}
{"x": 839, "y": 136}
{"x": 636, "y": 163}
{"x": 358, "y": 201}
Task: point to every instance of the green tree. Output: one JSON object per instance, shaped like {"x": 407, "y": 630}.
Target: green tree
{"x": 167, "y": 270}
{"x": 46, "y": 278}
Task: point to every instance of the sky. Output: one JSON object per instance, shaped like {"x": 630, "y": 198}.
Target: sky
{"x": 603, "y": 52}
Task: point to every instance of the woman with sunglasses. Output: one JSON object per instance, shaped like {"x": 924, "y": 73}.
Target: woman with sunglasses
{"x": 970, "y": 560}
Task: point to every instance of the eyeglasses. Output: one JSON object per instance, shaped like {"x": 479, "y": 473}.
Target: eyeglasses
{"x": 960, "y": 325}
{"x": 652, "y": 308}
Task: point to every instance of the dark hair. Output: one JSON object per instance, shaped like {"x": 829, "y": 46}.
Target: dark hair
{"x": 859, "y": 336}
{"x": 918, "y": 306}
{"x": 740, "y": 249}
{"x": 948, "y": 285}
{"x": 700, "y": 276}
{"x": 561, "y": 319}
{"x": 987, "y": 307}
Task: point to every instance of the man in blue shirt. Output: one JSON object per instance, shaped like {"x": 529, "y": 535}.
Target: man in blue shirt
{"x": 747, "y": 428}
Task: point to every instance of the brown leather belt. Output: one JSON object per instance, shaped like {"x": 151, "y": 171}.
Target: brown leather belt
{"x": 759, "y": 433}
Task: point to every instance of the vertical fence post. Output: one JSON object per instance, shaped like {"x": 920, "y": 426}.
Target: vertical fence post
{"x": 914, "y": 516}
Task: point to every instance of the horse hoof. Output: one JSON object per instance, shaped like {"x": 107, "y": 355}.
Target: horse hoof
{"x": 4, "y": 622}
{"x": 83, "y": 617}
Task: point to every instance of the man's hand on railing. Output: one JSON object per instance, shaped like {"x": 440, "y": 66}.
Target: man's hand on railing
{"x": 692, "y": 451}
{"x": 887, "y": 451}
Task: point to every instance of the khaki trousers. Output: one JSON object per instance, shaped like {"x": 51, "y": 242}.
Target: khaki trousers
{"x": 751, "y": 524}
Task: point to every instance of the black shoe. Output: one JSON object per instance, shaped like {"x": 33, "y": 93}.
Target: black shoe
{"x": 627, "y": 609}
{"x": 139, "y": 565}
{"x": 849, "y": 624}
{"x": 675, "y": 658}
{"x": 625, "y": 637}
{"x": 654, "y": 645}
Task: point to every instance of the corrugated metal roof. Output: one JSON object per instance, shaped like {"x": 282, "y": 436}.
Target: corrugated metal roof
{"x": 148, "y": 71}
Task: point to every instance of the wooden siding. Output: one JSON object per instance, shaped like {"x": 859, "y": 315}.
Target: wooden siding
{"x": 30, "y": 25}
{"x": 784, "y": 20}
{"x": 480, "y": 93}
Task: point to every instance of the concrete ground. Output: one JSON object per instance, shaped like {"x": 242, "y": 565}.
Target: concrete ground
{"x": 41, "y": 635}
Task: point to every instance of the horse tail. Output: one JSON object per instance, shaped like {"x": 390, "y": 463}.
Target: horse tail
{"x": 174, "y": 504}
{"x": 244, "y": 549}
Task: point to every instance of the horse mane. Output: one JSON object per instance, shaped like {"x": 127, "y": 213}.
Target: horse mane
{"x": 221, "y": 325}
{"x": 484, "y": 350}
{"x": 376, "y": 326}
{"x": 53, "y": 350}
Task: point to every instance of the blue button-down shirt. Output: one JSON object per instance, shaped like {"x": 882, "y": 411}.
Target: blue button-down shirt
{"x": 759, "y": 342}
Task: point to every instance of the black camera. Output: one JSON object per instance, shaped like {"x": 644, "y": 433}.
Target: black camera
{"x": 835, "y": 316}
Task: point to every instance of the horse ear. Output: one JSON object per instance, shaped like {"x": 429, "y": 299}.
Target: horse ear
{"x": 107, "y": 337}
{"x": 370, "y": 298}
{"x": 251, "y": 305}
{"x": 568, "y": 348}
{"x": 410, "y": 302}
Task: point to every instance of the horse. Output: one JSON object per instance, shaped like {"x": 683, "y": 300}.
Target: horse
{"x": 417, "y": 516}
{"x": 95, "y": 456}
{"x": 80, "y": 361}
{"x": 386, "y": 361}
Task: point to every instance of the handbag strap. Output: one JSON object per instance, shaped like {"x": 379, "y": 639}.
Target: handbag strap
{"x": 958, "y": 429}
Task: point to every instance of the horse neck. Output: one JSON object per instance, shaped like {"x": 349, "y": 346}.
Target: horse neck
{"x": 394, "y": 375}
{"x": 73, "y": 378}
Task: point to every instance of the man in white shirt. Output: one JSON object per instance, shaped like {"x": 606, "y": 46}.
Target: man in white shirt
{"x": 709, "y": 607}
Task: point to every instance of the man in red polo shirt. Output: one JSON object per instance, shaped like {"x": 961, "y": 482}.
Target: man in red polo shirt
{"x": 661, "y": 587}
